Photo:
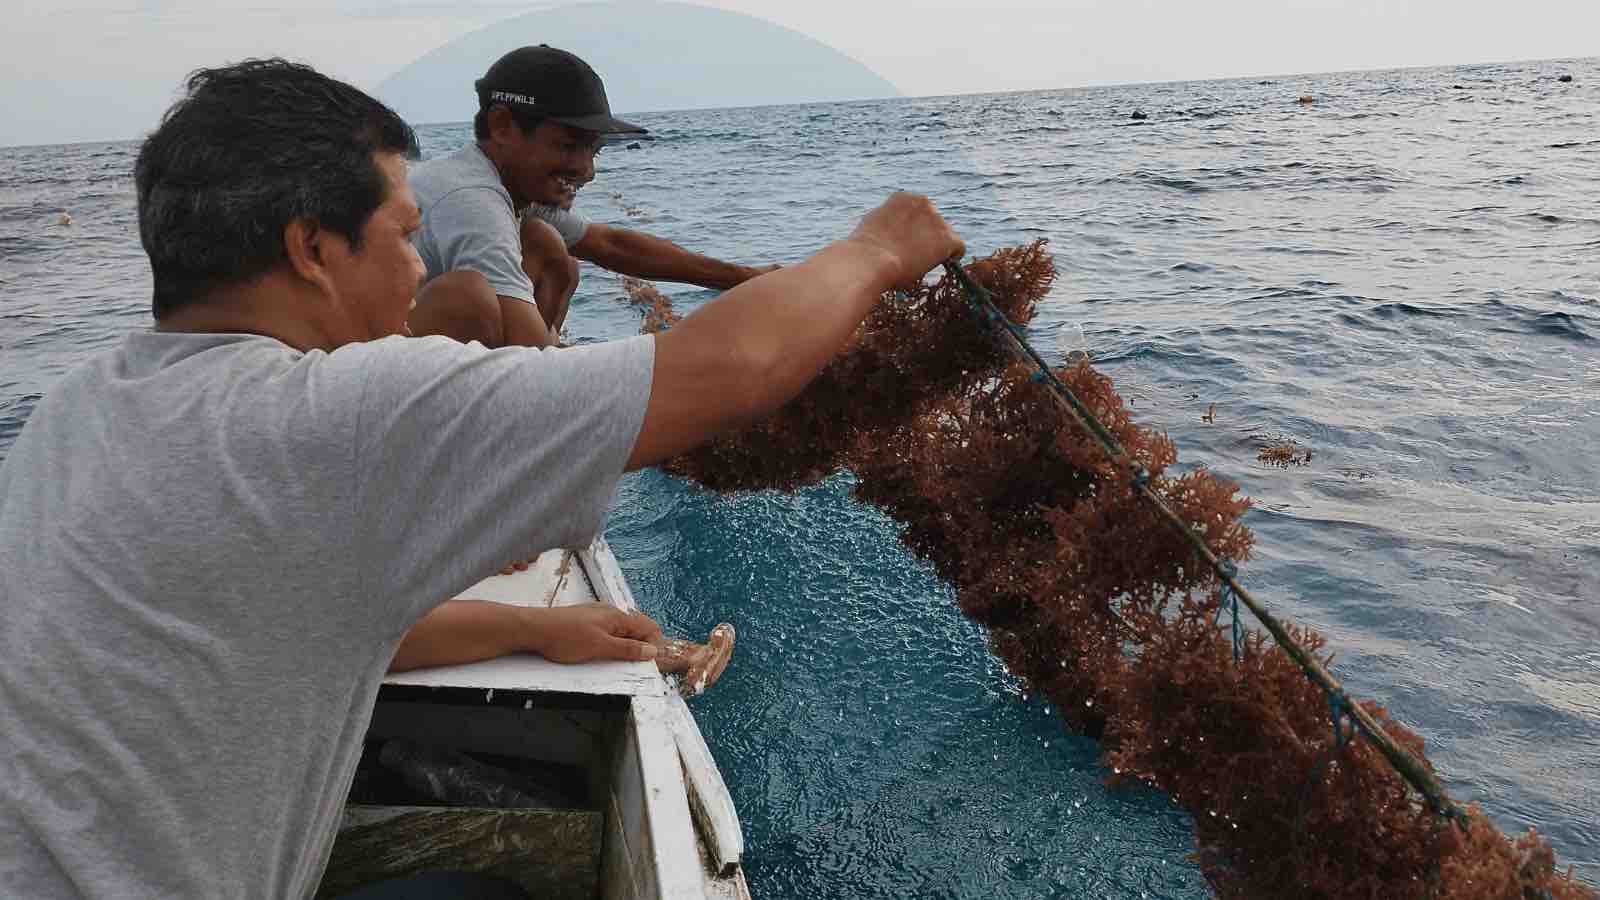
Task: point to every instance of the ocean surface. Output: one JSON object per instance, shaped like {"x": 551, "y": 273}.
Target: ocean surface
{"x": 1402, "y": 276}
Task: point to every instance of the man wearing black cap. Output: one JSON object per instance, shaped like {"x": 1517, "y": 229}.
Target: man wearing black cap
{"x": 214, "y": 534}
{"x": 542, "y": 113}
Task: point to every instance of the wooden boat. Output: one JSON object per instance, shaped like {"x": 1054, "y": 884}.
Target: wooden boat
{"x": 618, "y": 796}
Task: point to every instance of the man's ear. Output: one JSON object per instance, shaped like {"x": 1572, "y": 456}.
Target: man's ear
{"x": 305, "y": 243}
{"x": 499, "y": 119}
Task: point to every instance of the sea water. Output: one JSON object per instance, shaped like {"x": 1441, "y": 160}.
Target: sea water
{"x": 1402, "y": 276}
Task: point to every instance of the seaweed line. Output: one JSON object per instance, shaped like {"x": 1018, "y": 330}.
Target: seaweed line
{"x": 1050, "y": 545}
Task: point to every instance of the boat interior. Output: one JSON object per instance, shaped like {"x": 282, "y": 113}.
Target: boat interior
{"x": 581, "y": 782}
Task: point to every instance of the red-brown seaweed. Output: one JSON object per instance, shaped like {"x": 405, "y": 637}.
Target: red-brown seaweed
{"x": 1090, "y": 599}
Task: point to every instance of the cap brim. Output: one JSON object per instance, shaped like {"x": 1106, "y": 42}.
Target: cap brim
{"x": 601, "y": 124}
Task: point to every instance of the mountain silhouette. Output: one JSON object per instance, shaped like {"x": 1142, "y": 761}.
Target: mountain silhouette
{"x": 651, "y": 55}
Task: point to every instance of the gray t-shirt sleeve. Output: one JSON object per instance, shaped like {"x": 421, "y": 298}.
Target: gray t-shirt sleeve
{"x": 473, "y": 228}
{"x": 468, "y": 459}
{"x": 568, "y": 224}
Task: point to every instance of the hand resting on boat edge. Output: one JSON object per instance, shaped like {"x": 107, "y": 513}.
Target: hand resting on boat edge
{"x": 466, "y": 630}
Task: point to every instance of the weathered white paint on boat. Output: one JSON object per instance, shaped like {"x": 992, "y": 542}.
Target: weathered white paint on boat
{"x": 671, "y": 829}
{"x": 709, "y": 800}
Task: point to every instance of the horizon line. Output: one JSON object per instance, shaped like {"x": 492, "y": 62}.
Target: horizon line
{"x": 1084, "y": 86}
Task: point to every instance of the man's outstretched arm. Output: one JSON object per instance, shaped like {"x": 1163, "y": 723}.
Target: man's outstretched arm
{"x": 658, "y": 259}
{"x": 749, "y": 351}
{"x": 462, "y": 631}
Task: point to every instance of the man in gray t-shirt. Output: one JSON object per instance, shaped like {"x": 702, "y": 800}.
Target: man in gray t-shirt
{"x": 214, "y": 535}
{"x": 499, "y": 238}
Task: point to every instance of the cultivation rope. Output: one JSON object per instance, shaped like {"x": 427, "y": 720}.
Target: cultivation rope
{"x": 1231, "y": 600}
{"x": 1409, "y": 767}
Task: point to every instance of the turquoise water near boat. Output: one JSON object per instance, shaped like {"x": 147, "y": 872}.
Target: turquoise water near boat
{"x": 1402, "y": 276}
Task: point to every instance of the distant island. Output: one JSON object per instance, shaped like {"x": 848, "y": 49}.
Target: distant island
{"x": 652, "y": 56}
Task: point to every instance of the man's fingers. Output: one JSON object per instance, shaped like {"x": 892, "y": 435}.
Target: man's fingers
{"x": 631, "y": 636}
{"x": 639, "y": 626}
{"x": 625, "y": 648}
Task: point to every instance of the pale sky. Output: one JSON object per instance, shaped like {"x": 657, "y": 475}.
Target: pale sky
{"x": 80, "y": 70}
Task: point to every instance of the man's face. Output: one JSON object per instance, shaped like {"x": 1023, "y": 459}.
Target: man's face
{"x": 548, "y": 166}
{"x": 377, "y": 284}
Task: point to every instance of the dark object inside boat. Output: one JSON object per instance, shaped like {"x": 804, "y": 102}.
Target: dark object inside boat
{"x": 435, "y": 794}
{"x": 399, "y": 771}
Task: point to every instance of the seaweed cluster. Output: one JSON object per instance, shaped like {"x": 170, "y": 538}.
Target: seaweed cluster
{"x": 1089, "y": 598}
{"x": 658, "y": 314}
{"x": 1283, "y": 453}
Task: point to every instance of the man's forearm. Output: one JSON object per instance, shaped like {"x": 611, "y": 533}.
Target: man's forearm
{"x": 751, "y": 349}
{"x": 647, "y": 256}
{"x": 462, "y": 631}
{"x": 801, "y": 316}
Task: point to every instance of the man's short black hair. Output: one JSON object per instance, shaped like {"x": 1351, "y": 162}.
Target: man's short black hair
{"x": 527, "y": 120}
{"x": 250, "y": 148}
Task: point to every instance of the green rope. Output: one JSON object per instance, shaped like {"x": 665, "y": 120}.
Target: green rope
{"x": 1414, "y": 771}
{"x": 1230, "y": 600}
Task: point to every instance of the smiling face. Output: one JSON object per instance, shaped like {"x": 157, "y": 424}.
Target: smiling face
{"x": 546, "y": 166}
{"x": 376, "y": 283}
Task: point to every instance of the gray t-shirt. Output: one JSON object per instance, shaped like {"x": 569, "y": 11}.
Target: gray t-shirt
{"x": 567, "y": 223}
{"x": 468, "y": 222}
{"x": 210, "y": 546}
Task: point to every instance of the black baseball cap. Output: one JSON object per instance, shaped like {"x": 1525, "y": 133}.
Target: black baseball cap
{"x": 554, "y": 84}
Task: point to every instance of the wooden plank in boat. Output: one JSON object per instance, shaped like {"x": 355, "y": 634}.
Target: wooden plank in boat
{"x": 556, "y": 578}
{"x": 552, "y": 854}
{"x": 531, "y": 673}
{"x": 566, "y": 736}
{"x": 605, "y": 576}
{"x": 709, "y": 800}
{"x": 650, "y": 848}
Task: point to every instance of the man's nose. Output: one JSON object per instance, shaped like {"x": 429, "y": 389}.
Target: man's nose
{"x": 419, "y": 267}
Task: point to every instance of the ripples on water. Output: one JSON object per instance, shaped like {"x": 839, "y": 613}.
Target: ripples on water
{"x": 1403, "y": 276}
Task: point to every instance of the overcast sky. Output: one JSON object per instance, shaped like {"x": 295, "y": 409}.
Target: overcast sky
{"x": 78, "y": 70}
